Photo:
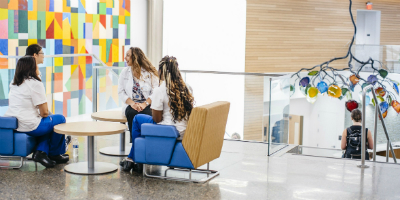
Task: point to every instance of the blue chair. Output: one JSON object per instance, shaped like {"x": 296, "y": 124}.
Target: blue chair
{"x": 14, "y": 144}
{"x": 201, "y": 143}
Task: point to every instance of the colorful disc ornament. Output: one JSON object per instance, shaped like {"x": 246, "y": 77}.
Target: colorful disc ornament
{"x": 396, "y": 106}
{"x": 354, "y": 79}
{"x": 384, "y": 114}
{"x": 304, "y": 82}
{"x": 396, "y": 88}
{"x": 372, "y": 79}
{"x": 322, "y": 87}
{"x": 383, "y": 106}
{"x": 334, "y": 91}
{"x": 312, "y": 94}
{"x": 380, "y": 91}
{"x": 292, "y": 90}
{"x": 351, "y": 105}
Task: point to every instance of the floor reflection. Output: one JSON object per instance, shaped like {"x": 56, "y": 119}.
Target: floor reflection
{"x": 245, "y": 173}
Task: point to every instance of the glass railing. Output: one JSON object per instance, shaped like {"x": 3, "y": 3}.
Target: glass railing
{"x": 388, "y": 55}
{"x": 318, "y": 152}
{"x": 68, "y": 83}
{"x": 259, "y": 110}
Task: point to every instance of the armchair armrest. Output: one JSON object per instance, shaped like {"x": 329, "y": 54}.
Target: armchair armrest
{"x": 156, "y": 130}
{"x": 8, "y": 122}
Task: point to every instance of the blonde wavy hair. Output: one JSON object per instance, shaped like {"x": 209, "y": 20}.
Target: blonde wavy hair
{"x": 181, "y": 100}
{"x": 139, "y": 61}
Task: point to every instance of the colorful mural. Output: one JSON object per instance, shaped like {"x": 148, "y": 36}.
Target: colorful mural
{"x": 100, "y": 27}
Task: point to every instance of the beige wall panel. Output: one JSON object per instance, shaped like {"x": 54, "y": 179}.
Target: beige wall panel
{"x": 254, "y": 106}
{"x": 287, "y": 35}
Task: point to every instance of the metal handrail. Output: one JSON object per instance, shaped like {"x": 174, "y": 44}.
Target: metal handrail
{"x": 389, "y": 143}
{"x": 104, "y": 66}
{"x": 68, "y": 55}
{"x": 364, "y": 131}
{"x": 215, "y": 72}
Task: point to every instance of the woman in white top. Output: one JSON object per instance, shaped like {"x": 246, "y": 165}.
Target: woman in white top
{"x": 171, "y": 104}
{"x": 136, "y": 83}
{"x": 28, "y": 103}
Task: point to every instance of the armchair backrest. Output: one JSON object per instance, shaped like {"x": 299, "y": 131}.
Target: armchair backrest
{"x": 205, "y": 132}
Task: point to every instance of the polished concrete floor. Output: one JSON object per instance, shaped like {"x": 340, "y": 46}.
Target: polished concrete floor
{"x": 246, "y": 173}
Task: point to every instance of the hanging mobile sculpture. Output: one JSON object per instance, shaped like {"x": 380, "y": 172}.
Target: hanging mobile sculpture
{"x": 340, "y": 86}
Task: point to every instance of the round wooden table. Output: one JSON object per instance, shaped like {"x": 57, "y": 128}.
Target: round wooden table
{"x": 113, "y": 116}
{"x": 90, "y": 129}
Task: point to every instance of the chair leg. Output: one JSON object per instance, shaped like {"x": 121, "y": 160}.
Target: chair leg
{"x": 13, "y": 167}
{"x": 213, "y": 174}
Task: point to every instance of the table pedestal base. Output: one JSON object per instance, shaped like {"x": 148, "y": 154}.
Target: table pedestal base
{"x": 82, "y": 168}
{"x": 115, "y": 151}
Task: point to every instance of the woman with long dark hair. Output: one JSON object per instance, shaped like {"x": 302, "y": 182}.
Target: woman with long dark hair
{"x": 136, "y": 83}
{"x": 28, "y": 103}
{"x": 171, "y": 104}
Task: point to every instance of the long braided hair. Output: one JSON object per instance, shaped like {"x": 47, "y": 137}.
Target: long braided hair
{"x": 181, "y": 101}
{"x": 139, "y": 60}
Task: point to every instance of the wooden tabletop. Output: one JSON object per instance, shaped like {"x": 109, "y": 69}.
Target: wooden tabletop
{"x": 90, "y": 128}
{"x": 110, "y": 116}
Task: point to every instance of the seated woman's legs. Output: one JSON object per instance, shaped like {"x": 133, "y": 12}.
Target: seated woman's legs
{"x": 57, "y": 141}
{"x": 136, "y": 132}
{"x": 46, "y": 141}
{"x": 130, "y": 114}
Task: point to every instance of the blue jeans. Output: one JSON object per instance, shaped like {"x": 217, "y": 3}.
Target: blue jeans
{"x": 137, "y": 129}
{"x": 48, "y": 141}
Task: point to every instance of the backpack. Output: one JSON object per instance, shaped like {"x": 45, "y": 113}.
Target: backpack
{"x": 354, "y": 139}
{"x": 353, "y": 148}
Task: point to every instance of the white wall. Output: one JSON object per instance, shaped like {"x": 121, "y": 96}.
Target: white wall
{"x": 210, "y": 36}
{"x": 139, "y": 24}
{"x": 206, "y": 35}
{"x": 323, "y": 120}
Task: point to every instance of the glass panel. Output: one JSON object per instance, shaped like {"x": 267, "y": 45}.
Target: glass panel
{"x": 277, "y": 100}
{"x": 7, "y": 71}
{"x": 209, "y": 88}
{"x": 249, "y": 111}
{"x": 71, "y": 85}
{"x": 107, "y": 89}
{"x": 333, "y": 153}
{"x": 389, "y": 55}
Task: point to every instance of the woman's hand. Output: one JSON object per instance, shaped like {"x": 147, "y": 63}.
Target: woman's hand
{"x": 136, "y": 106}
{"x": 143, "y": 105}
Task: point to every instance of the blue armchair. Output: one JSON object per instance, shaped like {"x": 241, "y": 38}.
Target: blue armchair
{"x": 12, "y": 143}
{"x": 201, "y": 143}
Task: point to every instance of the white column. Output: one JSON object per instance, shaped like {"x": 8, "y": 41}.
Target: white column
{"x": 139, "y": 24}
{"x": 155, "y": 31}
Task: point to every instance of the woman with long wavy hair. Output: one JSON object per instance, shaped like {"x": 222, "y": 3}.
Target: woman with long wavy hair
{"x": 171, "y": 104}
{"x": 136, "y": 83}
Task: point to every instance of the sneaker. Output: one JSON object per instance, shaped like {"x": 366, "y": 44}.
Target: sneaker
{"x": 138, "y": 167}
{"x": 128, "y": 165}
{"x": 43, "y": 159}
{"x": 60, "y": 158}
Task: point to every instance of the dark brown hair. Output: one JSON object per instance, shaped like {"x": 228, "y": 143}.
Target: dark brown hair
{"x": 26, "y": 69}
{"x": 356, "y": 115}
{"x": 139, "y": 60}
{"x": 32, "y": 49}
{"x": 181, "y": 101}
